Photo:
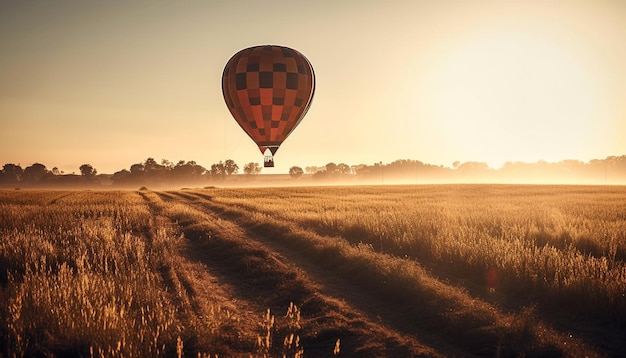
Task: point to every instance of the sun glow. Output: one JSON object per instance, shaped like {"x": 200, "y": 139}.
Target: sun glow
{"x": 515, "y": 94}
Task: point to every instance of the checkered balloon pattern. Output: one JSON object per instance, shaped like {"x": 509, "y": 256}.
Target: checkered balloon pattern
{"x": 268, "y": 90}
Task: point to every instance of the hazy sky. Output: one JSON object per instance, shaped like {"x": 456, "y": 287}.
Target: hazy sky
{"x": 111, "y": 83}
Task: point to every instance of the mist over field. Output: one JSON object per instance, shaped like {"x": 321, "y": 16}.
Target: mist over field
{"x": 166, "y": 174}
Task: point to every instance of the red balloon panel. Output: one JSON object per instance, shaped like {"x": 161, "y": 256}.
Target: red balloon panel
{"x": 268, "y": 90}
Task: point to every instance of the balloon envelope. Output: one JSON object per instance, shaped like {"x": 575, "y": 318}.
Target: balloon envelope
{"x": 268, "y": 90}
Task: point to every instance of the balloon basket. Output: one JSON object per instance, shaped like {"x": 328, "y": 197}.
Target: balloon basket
{"x": 268, "y": 157}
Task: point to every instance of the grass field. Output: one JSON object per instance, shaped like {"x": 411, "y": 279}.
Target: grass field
{"x": 441, "y": 270}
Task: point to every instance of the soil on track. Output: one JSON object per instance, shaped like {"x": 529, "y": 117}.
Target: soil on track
{"x": 246, "y": 268}
{"x": 249, "y": 273}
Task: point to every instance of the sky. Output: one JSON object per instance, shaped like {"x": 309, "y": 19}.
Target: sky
{"x": 112, "y": 83}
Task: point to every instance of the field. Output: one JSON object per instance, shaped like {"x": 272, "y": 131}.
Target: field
{"x": 364, "y": 271}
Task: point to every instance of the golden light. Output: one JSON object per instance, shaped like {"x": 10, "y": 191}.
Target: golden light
{"x": 518, "y": 94}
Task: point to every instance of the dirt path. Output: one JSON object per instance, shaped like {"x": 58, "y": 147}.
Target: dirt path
{"x": 205, "y": 299}
{"x": 261, "y": 265}
{"x": 348, "y": 295}
{"x": 260, "y": 273}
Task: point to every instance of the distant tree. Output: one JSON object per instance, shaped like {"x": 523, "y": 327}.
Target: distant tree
{"x": 218, "y": 171}
{"x": 474, "y": 171}
{"x": 56, "y": 171}
{"x": 121, "y": 176}
{"x": 12, "y": 173}
{"x": 150, "y": 164}
{"x": 155, "y": 173}
{"x": 88, "y": 171}
{"x": 360, "y": 169}
{"x": 167, "y": 164}
{"x": 331, "y": 168}
{"x": 252, "y": 168}
{"x": 343, "y": 168}
{"x": 198, "y": 170}
{"x": 230, "y": 167}
{"x": 152, "y": 168}
{"x": 296, "y": 172}
{"x": 137, "y": 175}
{"x": 36, "y": 173}
{"x": 187, "y": 171}
{"x": 136, "y": 169}
{"x": 473, "y": 167}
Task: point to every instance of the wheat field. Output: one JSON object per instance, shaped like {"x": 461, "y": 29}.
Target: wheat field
{"x": 440, "y": 270}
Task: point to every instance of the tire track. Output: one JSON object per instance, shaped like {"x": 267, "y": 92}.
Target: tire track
{"x": 60, "y": 196}
{"x": 443, "y": 316}
{"x": 263, "y": 274}
{"x": 204, "y": 303}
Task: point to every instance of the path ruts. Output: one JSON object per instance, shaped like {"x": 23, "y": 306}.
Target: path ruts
{"x": 264, "y": 262}
{"x": 261, "y": 274}
{"x": 201, "y": 295}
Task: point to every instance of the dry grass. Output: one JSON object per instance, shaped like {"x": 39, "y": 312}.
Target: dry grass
{"x": 496, "y": 270}
{"x": 101, "y": 274}
{"x": 563, "y": 244}
{"x": 81, "y": 276}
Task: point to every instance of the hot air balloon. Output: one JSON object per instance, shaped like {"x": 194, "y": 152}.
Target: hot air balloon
{"x": 268, "y": 90}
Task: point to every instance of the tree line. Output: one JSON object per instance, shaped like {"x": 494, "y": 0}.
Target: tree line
{"x": 611, "y": 170}
{"x": 149, "y": 172}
